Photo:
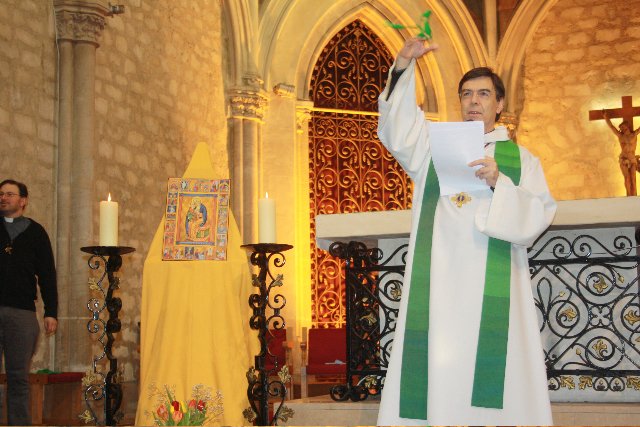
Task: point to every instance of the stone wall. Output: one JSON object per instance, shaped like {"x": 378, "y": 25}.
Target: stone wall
{"x": 27, "y": 112}
{"x": 584, "y": 56}
{"x": 158, "y": 93}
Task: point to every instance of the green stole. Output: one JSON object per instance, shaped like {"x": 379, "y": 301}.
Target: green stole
{"x": 488, "y": 382}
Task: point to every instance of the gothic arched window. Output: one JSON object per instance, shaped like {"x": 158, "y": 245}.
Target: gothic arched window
{"x": 350, "y": 170}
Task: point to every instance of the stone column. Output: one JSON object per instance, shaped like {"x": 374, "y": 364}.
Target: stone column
{"x": 247, "y": 112}
{"x": 79, "y": 26}
{"x": 302, "y": 212}
{"x": 303, "y": 116}
{"x": 491, "y": 28}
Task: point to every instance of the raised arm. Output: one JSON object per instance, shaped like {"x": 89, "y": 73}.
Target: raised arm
{"x": 402, "y": 127}
{"x": 413, "y": 48}
{"x": 606, "y": 119}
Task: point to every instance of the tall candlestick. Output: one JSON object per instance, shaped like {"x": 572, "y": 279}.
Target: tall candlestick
{"x": 266, "y": 220}
{"x": 108, "y": 222}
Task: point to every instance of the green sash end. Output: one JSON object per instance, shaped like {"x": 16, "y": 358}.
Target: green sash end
{"x": 491, "y": 357}
{"x": 415, "y": 357}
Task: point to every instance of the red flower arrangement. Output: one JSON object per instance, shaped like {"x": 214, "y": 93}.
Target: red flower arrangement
{"x": 200, "y": 408}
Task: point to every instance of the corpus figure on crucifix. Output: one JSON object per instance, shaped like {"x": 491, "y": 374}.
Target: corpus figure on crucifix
{"x": 628, "y": 139}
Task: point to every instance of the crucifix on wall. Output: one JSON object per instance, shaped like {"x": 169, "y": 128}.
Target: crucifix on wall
{"x": 627, "y": 137}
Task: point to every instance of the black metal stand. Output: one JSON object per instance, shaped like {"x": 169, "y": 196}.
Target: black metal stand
{"x": 261, "y": 386}
{"x": 373, "y": 287}
{"x": 97, "y": 385}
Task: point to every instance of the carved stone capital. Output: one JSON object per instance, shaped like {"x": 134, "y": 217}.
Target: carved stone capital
{"x": 253, "y": 80}
{"x": 247, "y": 104}
{"x": 303, "y": 115}
{"x": 81, "y": 20}
{"x": 510, "y": 121}
{"x": 284, "y": 90}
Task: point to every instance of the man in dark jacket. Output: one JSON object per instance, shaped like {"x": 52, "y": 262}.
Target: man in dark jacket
{"x": 26, "y": 260}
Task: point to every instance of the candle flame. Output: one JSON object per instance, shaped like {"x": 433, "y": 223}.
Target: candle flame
{"x": 109, "y": 198}
{"x": 266, "y": 195}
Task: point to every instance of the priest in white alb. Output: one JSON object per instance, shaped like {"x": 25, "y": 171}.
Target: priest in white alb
{"x": 467, "y": 348}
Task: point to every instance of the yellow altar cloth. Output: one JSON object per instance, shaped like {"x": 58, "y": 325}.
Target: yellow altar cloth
{"x": 195, "y": 321}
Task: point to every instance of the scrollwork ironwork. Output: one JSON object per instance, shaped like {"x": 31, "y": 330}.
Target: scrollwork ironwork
{"x": 586, "y": 291}
{"x": 350, "y": 170}
{"x": 106, "y": 260}
{"x": 588, "y": 298}
{"x": 267, "y": 384}
{"x": 373, "y": 292}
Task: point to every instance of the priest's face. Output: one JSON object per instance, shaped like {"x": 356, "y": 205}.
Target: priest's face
{"x": 479, "y": 102}
{"x": 11, "y": 204}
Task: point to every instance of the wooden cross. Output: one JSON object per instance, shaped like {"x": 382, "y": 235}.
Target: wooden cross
{"x": 627, "y": 112}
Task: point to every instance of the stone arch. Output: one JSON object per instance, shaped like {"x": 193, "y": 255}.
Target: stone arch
{"x": 511, "y": 52}
{"x": 310, "y": 26}
{"x": 275, "y": 44}
{"x": 240, "y": 19}
{"x": 290, "y": 38}
{"x": 273, "y": 15}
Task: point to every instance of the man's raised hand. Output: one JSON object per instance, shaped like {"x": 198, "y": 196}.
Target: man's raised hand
{"x": 414, "y": 47}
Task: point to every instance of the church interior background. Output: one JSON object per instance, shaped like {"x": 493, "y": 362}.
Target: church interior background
{"x": 284, "y": 94}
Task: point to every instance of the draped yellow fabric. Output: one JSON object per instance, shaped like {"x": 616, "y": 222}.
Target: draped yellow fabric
{"x": 195, "y": 321}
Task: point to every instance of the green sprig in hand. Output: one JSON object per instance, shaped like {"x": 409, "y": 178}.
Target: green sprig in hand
{"x": 425, "y": 28}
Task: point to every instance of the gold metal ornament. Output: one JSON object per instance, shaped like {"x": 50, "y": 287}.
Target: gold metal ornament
{"x": 461, "y": 199}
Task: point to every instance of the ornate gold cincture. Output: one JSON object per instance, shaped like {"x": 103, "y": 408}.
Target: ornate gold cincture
{"x": 460, "y": 199}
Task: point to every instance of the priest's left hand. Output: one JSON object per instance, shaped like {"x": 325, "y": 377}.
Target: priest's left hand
{"x": 489, "y": 170}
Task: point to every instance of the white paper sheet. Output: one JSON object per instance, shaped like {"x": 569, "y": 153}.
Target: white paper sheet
{"x": 453, "y": 146}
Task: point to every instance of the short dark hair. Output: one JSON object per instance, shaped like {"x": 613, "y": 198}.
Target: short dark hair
{"x": 22, "y": 188}
{"x": 474, "y": 73}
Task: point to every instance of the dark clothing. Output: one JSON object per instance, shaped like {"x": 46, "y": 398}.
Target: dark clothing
{"x": 19, "y": 332}
{"x": 395, "y": 76}
{"x": 26, "y": 260}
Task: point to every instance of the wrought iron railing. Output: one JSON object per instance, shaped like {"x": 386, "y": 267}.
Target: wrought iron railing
{"x": 586, "y": 291}
{"x": 373, "y": 291}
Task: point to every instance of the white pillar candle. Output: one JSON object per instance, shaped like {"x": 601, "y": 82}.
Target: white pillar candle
{"x": 266, "y": 220}
{"x": 108, "y": 223}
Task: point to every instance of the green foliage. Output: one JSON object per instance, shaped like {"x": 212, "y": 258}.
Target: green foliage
{"x": 424, "y": 27}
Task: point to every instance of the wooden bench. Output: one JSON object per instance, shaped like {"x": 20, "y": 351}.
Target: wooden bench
{"x": 36, "y": 389}
{"x": 64, "y": 399}
{"x": 37, "y": 383}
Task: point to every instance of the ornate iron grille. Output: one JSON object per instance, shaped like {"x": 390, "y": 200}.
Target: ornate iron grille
{"x": 588, "y": 297}
{"x": 586, "y": 290}
{"x": 350, "y": 170}
{"x": 374, "y": 288}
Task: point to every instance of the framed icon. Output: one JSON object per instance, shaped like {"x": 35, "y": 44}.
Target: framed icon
{"x": 197, "y": 219}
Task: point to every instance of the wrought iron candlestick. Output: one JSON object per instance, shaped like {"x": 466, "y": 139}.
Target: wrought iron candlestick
{"x": 266, "y": 317}
{"x": 99, "y": 386}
